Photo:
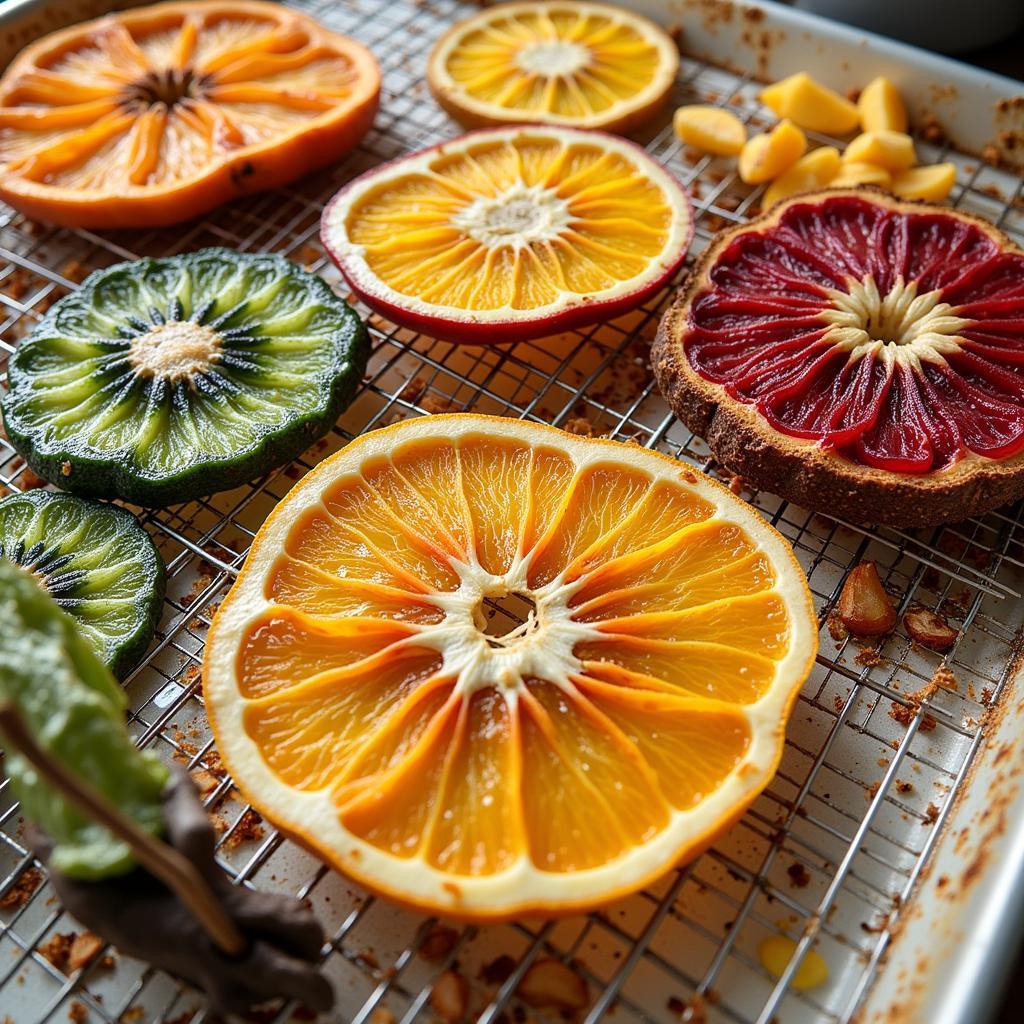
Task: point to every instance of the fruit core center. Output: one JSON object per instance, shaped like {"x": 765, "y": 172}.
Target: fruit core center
{"x": 552, "y": 58}
{"x": 168, "y": 86}
{"x": 517, "y": 217}
{"x": 902, "y": 326}
{"x": 175, "y": 350}
{"x": 508, "y": 618}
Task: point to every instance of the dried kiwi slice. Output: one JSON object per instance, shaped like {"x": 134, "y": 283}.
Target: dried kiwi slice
{"x": 159, "y": 381}
{"x": 98, "y": 563}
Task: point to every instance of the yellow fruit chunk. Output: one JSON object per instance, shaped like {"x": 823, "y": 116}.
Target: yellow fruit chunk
{"x": 768, "y": 154}
{"x": 811, "y": 105}
{"x": 931, "y": 183}
{"x": 892, "y": 150}
{"x": 813, "y": 171}
{"x": 881, "y": 107}
{"x": 853, "y": 173}
{"x": 710, "y": 129}
{"x": 777, "y": 950}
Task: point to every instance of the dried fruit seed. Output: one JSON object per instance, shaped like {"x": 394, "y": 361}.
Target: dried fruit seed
{"x": 881, "y": 107}
{"x": 550, "y": 984}
{"x": 853, "y": 173}
{"x": 929, "y": 629}
{"x": 777, "y": 950}
{"x": 892, "y": 150}
{"x": 864, "y": 606}
{"x": 811, "y": 105}
{"x": 931, "y": 183}
{"x": 767, "y": 155}
{"x": 710, "y": 129}
{"x": 810, "y": 172}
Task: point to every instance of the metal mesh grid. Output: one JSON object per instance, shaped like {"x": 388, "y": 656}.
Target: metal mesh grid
{"x": 827, "y": 855}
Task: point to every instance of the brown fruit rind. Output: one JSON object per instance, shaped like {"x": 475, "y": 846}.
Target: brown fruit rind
{"x": 797, "y": 469}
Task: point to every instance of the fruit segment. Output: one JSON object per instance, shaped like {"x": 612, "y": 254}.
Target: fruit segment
{"x": 892, "y": 150}
{"x": 590, "y": 689}
{"x": 510, "y": 234}
{"x": 881, "y": 107}
{"x": 810, "y": 172}
{"x": 811, "y": 105}
{"x": 583, "y": 65}
{"x": 931, "y": 183}
{"x": 852, "y": 173}
{"x": 767, "y": 155}
{"x": 711, "y": 129}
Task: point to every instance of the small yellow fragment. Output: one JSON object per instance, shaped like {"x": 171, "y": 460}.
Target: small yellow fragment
{"x": 851, "y": 174}
{"x": 767, "y": 155}
{"x": 881, "y": 107}
{"x": 813, "y": 171}
{"x": 892, "y": 150}
{"x": 710, "y": 129}
{"x": 776, "y": 952}
{"x": 931, "y": 182}
{"x": 811, "y": 105}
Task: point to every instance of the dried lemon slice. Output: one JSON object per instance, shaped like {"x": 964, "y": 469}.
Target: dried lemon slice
{"x": 584, "y": 65}
{"x": 624, "y": 704}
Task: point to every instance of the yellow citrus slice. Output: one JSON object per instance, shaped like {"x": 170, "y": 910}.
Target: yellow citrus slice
{"x": 155, "y": 115}
{"x": 584, "y": 65}
{"x": 510, "y": 233}
{"x": 624, "y": 704}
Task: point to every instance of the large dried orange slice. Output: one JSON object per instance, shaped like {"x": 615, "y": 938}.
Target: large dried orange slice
{"x": 622, "y": 707}
{"x": 508, "y": 234}
{"x": 859, "y": 355}
{"x": 584, "y": 65}
{"x": 155, "y": 115}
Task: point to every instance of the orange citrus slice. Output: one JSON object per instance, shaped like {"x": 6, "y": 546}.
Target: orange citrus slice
{"x": 155, "y": 115}
{"x": 510, "y": 233}
{"x": 623, "y": 706}
{"x": 583, "y": 65}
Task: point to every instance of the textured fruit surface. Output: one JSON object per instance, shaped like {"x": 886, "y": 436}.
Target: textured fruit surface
{"x": 155, "y": 115}
{"x": 710, "y": 129}
{"x": 931, "y": 183}
{"x": 512, "y": 233}
{"x": 892, "y": 150}
{"x": 95, "y": 561}
{"x": 811, "y": 105}
{"x": 810, "y": 172}
{"x": 889, "y": 333}
{"x": 161, "y": 380}
{"x": 881, "y": 107}
{"x": 852, "y": 173}
{"x": 769, "y": 154}
{"x": 490, "y": 668}
{"x": 584, "y": 65}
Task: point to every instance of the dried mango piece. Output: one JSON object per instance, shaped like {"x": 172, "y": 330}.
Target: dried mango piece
{"x": 931, "y": 182}
{"x": 710, "y": 129}
{"x": 813, "y": 171}
{"x": 767, "y": 155}
{"x": 881, "y": 107}
{"x": 854, "y": 172}
{"x": 892, "y": 150}
{"x": 811, "y": 105}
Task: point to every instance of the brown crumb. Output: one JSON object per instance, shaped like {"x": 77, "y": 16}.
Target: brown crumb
{"x": 835, "y": 626}
{"x": 65, "y": 469}
{"x": 57, "y": 949}
{"x": 206, "y": 782}
{"x": 990, "y": 154}
{"x": 872, "y": 790}
{"x": 435, "y": 404}
{"x": 904, "y": 787}
{"x": 382, "y": 1015}
{"x": 931, "y": 814}
{"x": 248, "y": 829}
{"x": 440, "y": 941}
{"x": 904, "y": 714}
{"x": 84, "y": 948}
{"x": 580, "y": 425}
{"x": 736, "y": 484}
{"x": 75, "y": 271}
{"x": 132, "y": 1015}
{"x": 78, "y": 1013}
{"x": 413, "y": 390}
{"x": 869, "y": 656}
{"x": 930, "y": 129}
{"x": 498, "y": 970}
{"x": 799, "y": 876}
{"x": 20, "y": 893}
{"x": 943, "y": 678}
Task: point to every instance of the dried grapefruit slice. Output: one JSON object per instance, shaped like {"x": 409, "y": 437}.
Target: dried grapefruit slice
{"x": 540, "y": 761}
{"x": 584, "y": 65}
{"x": 155, "y": 115}
{"x": 859, "y": 355}
{"x": 512, "y": 233}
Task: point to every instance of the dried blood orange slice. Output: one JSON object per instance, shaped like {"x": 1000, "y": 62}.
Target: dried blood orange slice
{"x": 859, "y": 355}
{"x": 624, "y": 705}
{"x": 585, "y": 65}
{"x": 157, "y": 114}
{"x": 508, "y": 234}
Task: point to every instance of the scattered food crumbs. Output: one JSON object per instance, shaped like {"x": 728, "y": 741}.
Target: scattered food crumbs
{"x": 551, "y": 984}
{"x": 904, "y": 787}
{"x": 872, "y": 790}
{"x": 78, "y": 1013}
{"x": 777, "y": 950}
{"x": 869, "y": 656}
{"x": 439, "y": 942}
{"x": 435, "y": 404}
{"x": 498, "y": 970}
{"x": 799, "y": 876}
{"x": 84, "y": 948}
{"x": 19, "y": 893}
{"x": 248, "y": 829}
{"x": 943, "y": 678}
{"x": 206, "y": 782}
{"x": 931, "y": 814}
{"x": 413, "y": 390}
{"x": 449, "y": 998}
{"x": 580, "y": 425}
{"x": 57, "y": 949}
{"x": 382, "y": 1015}
{"x": 736, "y": 484}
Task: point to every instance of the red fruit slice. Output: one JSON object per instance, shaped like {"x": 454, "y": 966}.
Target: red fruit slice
{"x": 859, "y": 355}
{"x": 511, "y": 233}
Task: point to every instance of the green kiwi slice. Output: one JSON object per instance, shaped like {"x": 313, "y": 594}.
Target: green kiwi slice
{"x": 163, "y": 380}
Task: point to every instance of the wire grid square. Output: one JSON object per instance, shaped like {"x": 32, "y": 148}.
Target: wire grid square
{"x": 827, "y": 854}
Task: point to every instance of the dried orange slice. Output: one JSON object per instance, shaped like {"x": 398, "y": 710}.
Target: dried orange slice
{"x": 510, "y": 233}
{"x": 584, "y": 65}
{"x": 539, "y": 761}
{"x": 155, "y": 115}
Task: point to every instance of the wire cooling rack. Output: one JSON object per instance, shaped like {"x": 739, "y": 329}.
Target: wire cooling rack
{"x": 827, "y": 855}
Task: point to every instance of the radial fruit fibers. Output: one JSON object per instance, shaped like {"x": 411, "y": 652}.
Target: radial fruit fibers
{"x": 509, "y": 234}
{"x": 489, "y": 668}
{"x": 859, "y": 355}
